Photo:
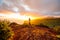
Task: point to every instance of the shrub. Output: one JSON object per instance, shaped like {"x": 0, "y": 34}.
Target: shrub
{"x": 5, "y": 30}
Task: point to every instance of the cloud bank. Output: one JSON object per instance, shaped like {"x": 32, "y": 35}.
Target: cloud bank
{"x": 42, "y": 7}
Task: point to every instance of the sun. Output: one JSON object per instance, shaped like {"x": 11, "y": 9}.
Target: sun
{"x": 24, "y": 17}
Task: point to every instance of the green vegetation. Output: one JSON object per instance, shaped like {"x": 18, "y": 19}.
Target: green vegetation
{"x": 51, "y": 22}
{"x": 5, "y": 30}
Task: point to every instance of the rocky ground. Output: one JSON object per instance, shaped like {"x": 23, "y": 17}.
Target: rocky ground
{"x": 33, "y": 33}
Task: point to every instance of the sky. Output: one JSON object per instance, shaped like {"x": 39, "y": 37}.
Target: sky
{"x": 42, "y": 7}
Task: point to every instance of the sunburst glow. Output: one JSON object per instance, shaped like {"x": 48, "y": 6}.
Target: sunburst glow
{"x": 24, "y": 17}
{"x": 16, "y": 16}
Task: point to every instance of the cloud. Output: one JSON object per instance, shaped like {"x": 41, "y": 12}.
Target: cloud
{"x": 44, "y": 7}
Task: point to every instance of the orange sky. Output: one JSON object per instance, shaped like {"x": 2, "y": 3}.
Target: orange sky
{"x": 19, "y": 17}
{"x": 33, "y": 14}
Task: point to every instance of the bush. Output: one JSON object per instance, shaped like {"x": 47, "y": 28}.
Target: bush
{"x": 5, "y": 30}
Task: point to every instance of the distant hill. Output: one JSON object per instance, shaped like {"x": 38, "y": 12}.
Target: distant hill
{"x": 51, "y": 22}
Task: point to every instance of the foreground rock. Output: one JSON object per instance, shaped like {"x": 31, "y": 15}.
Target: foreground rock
{"x": 33, "y": 33}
